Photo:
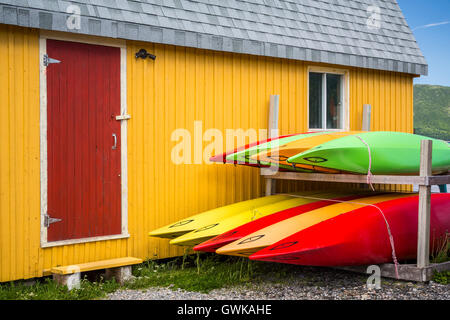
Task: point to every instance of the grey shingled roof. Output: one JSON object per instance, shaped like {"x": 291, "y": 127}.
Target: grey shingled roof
{"x": 329, "y": 31}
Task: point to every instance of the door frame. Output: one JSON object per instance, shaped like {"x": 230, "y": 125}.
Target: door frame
{"x": 44, "y": 35}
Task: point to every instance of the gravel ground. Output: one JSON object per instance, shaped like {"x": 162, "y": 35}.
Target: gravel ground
{"x": 307, "y": 284}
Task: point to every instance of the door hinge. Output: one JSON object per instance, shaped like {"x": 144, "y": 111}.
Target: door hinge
{"x": 48, "y": 60}
{"x": 49, "y": 220}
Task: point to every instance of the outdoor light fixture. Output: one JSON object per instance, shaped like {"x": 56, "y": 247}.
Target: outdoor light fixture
{"x": 144, "y": 54}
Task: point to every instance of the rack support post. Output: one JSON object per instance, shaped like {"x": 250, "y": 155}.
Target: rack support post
{"x": 367, "y": 111}
{"x": 366, "y": 115}
{"x": 423, "y": 239}
{"x": 273, "y": 133}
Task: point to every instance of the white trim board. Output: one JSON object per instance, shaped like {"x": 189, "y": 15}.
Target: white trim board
{"x": 345, "y": 96}
{"x": 44, "y": 35}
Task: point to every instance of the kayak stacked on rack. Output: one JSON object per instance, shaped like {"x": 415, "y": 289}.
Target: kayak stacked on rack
{"x": 383, "y": 152}
{"x": 323, "y": 228}
{"x": 370, "y": 234}
{"x": 314, "y": 228}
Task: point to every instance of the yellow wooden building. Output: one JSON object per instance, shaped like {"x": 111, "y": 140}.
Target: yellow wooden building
{"x": 70, "y": 81}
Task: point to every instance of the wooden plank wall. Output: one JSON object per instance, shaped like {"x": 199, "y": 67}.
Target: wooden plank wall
{"x": 223, "y": 90}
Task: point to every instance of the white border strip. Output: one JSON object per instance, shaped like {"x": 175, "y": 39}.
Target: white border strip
{"x": 123, "y": 138}
{"x": 43, "y": 135}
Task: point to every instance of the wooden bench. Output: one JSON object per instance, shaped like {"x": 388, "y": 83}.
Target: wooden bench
{"x": 119, "y": 268}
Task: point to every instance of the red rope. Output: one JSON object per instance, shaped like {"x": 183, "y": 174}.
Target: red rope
{"x": 391, "y": 237}
{"x": 369, "y": 173}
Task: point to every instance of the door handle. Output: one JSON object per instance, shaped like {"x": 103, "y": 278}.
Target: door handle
{"x": 115, "y": 141}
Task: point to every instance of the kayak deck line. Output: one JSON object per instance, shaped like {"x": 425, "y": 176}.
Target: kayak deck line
{"x": 391, "y": 238}
{"x": 235, "y": 234}
{"x": 287, "y": 227}
{"x": 390, "y": 153}
{"x": 361, "y": 238}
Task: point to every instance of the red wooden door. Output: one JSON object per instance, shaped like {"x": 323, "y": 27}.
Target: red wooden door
{"x": 83, "y": 140}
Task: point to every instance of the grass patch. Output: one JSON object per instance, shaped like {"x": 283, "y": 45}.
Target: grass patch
{"x": 203, "y": 272}
{"x": 439, "y": 255}
{"x": 196, "y": 272}
{"x": 47, "y": 289}
{"x": 442, "y": 277}
{"x": 441, "y": 249}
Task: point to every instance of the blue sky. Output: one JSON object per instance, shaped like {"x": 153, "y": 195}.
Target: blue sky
{"x": 433, "y": 40}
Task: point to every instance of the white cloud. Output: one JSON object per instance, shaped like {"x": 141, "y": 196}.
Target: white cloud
{"x": 431, "y": 25}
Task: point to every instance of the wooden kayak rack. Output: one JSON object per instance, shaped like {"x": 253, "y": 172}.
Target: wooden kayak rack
{"x": 422, "y": 270}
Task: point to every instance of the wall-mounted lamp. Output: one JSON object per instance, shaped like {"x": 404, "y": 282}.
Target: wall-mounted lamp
{"x": 144, "y": 54}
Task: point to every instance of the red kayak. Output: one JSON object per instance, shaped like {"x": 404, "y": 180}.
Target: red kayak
{"x": 235, "y": 234}
{"x": 361, "y": 237}
{"x": 222, "y": 157}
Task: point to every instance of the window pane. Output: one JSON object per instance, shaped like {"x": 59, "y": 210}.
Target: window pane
{"x": 315, "y": 100}
{"x": 334, "y": 105}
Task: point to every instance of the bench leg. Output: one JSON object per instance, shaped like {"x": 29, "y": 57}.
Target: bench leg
{"x": 72, "y": 281}
{"x": 121, "y": 274}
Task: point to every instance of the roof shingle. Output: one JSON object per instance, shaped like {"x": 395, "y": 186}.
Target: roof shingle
{"x": 329, "y": 31}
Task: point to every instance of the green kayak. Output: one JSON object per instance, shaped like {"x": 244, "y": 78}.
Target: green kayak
{"x": 243, "y": 156}
{"x": 390, "y": 153}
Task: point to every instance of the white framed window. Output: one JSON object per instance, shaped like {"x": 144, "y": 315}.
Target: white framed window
{"x": 328, "y": 99}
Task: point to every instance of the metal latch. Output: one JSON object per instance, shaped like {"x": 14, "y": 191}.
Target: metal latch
{"x": 48, "y": 60}
{"x": 123, "y": 117}
{"x": 49, "y": 220}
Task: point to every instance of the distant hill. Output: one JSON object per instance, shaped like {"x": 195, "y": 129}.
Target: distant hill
{"x": 432, "y": 111}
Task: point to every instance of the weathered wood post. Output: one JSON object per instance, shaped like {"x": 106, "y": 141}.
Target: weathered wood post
{"x": 423, "y": 239}
{"x": 367, "y": 113}
{"x": 273, "y": 133}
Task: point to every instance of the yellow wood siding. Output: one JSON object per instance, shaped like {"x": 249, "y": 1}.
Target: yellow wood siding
{"x": 19, "y": 153}
{"x": 20, "y": 254}
{"x": 223, "y": 90}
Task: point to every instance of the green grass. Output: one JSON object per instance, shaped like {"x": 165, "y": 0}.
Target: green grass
{"x": 442, "y": 277}
{"x": 204, "y": 272}
{"x": 201, "y": 273}
{"x": 441, "y": 254}
{"x": 441, "y": 249}
{"x": 46, "y": 289}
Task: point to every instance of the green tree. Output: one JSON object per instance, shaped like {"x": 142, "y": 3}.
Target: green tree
{"x": 432, "y": 111}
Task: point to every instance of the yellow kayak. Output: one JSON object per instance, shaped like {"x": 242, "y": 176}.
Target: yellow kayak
{"x": 265, "y": 237}
{"x": 220, "y": 226}
{"x": 200, "y": 220}
{"x": 283, "y": 152}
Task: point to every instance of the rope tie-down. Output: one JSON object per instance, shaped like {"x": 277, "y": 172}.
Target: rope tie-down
{"x": 391, "y": 237}
{"x": 369, "y": 173}
{"x": 369, "y": 182}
